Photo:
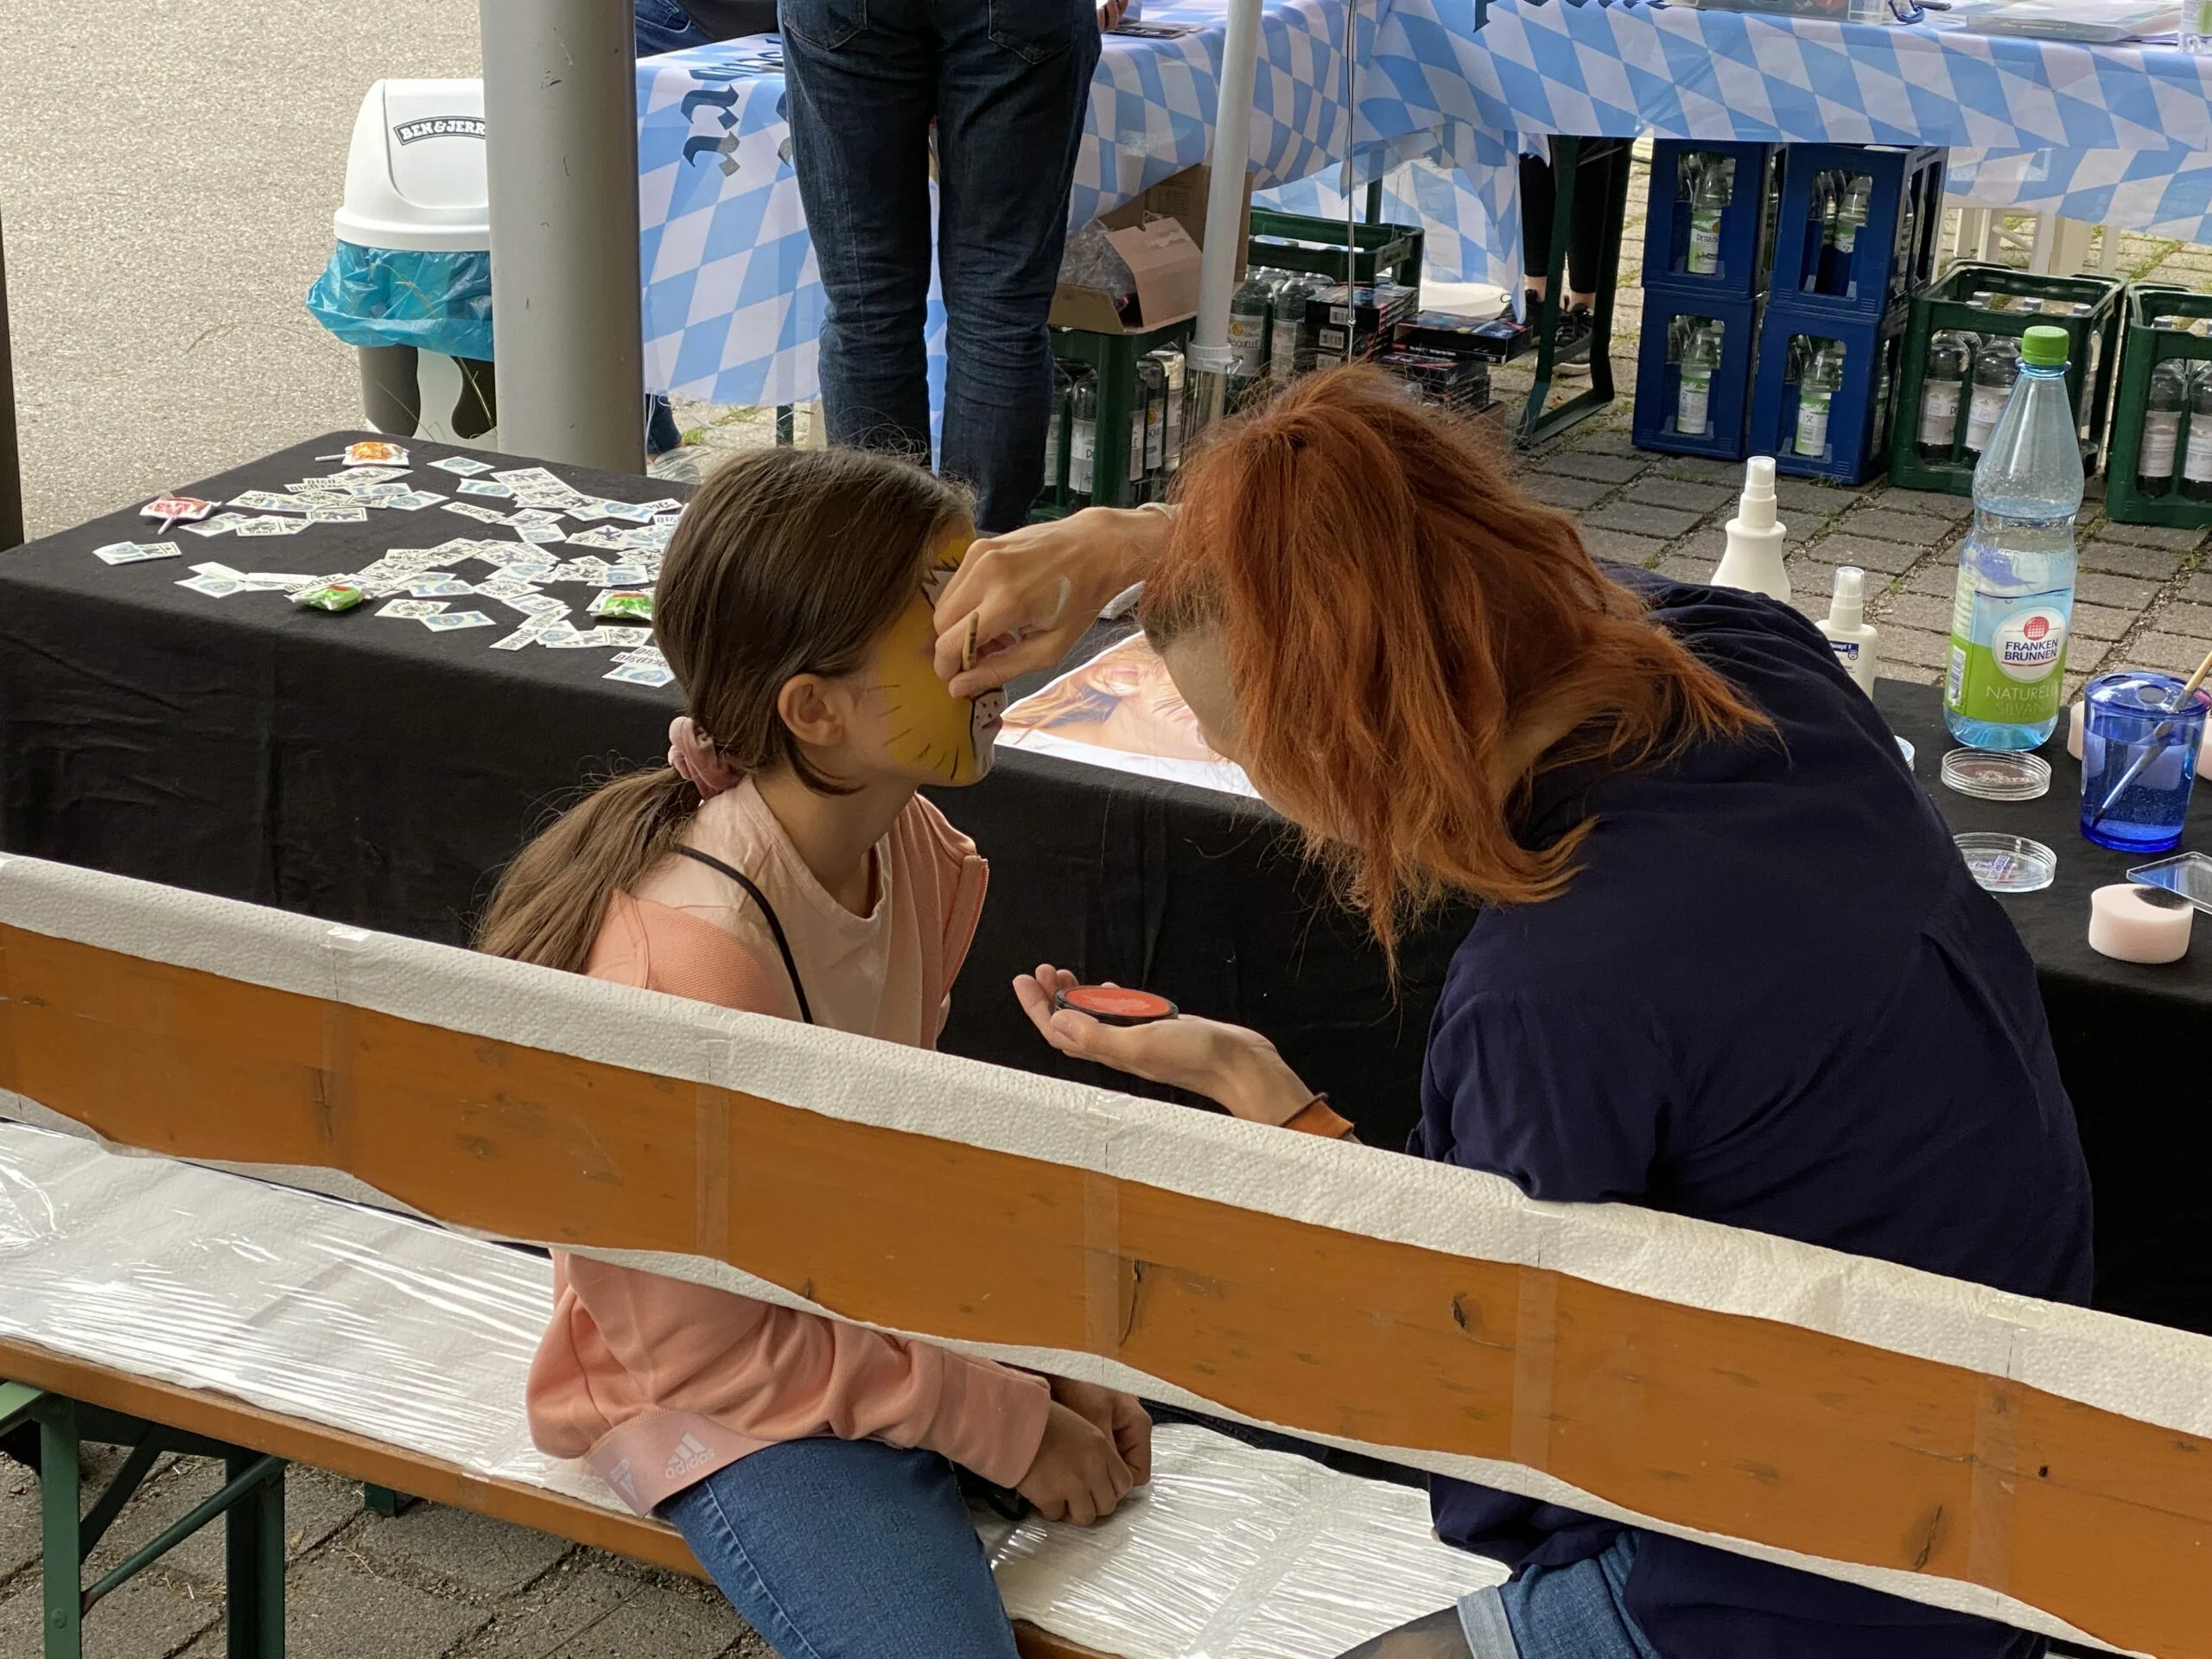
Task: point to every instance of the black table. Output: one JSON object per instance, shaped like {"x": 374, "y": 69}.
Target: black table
{"x": 369, "y": 772}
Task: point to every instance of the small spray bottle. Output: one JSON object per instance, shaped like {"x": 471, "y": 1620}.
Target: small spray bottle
{"x": 1753, "y": 560}
{"x": 1850, "y": 635}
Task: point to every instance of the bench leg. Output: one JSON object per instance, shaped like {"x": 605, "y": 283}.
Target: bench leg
{"x": 254, "y": 1567}
{"x": 382, "y": 1500}
{"x": 60, "y": 1496}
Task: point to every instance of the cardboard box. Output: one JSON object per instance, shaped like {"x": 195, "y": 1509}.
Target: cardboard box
{"x": 1163, "y": 256}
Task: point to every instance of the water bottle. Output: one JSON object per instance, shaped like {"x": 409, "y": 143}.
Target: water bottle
{"x": 2196, "y": 25}
{"x": 1708, "y": 203}
{"x": 2196, "y": 458}
{"x": 1251, "y": 313}
{"x": 1942, "y": 388}
{"x": 2162, "y": 412}
{"x": 1853, "y": 203}
{"x": 1700, "y": 357}
{"x": 1815, "y": 396}
{"x": 2015, "y": 598}
{"x": 1056, "y": 433}
{"x": 1289, "y": 353}
{"x": 1152, "y": 390}
{"x": 1820, "y": 232}
{"x": 1083, "y": 438}
{"x": 1171, "y": 366}
{"x": 1996, "y": 367}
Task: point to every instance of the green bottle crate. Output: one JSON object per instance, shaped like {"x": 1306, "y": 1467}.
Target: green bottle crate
{"x": 1113, "y": 359}
{"x": 1393, "y": 249}
{"x": 2142, "y": 349}
{"x": 2091, "y": 360}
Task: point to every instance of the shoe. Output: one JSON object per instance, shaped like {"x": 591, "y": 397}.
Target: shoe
{"x": 1571, "y": 345}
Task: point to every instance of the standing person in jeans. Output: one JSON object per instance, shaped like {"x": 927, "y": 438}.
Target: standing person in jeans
{"x": 1005, "y": 82}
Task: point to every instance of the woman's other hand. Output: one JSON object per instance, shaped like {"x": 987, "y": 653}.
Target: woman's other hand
{"x": 1024, "y": 597}
{"x": 1121, "y": 1416}
{"x": 1110, "y": 13}
{"x": 1238, "y": 1068}
{"x": 1076, "y": 1474}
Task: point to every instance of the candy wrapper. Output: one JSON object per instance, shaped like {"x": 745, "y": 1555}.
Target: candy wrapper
{"x": 329, "y": 595}
{"x": 633, "y": 605}
{"x": 371, "y": 452}
{"x": 176, "y": 509}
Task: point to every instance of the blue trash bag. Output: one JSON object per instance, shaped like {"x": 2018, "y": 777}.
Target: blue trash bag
{"x": 390, "y": 296}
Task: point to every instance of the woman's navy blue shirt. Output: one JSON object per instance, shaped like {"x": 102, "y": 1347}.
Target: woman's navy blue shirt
{"x": 1772, "y": 998}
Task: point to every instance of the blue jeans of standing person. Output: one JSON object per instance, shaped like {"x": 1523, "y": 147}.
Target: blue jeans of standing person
{"x": 665, "y": 26}
{"x": 1006, "y": 82}
{"x": 847, "y": 1549}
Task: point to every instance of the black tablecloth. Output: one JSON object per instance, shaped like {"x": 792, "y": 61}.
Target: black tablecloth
{"x": 370, "y": 772}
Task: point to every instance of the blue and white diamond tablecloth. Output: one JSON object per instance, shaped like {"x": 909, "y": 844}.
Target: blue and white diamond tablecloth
{"x": 2120, "y": 134}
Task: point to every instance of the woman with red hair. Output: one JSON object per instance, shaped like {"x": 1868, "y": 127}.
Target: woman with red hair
{"x": 1728, "y": 963}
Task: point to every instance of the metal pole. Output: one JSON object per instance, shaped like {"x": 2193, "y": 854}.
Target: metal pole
{"x": 1206, "y": 397}
{"x": 12, "y": 465}
{"x": 560, "y": 125}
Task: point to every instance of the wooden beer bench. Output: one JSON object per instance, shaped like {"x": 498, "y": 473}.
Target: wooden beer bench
{"x": 2048, "y": 1466}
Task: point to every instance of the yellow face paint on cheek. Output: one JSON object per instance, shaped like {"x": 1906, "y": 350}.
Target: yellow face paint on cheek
{"x": 932, "y": 731}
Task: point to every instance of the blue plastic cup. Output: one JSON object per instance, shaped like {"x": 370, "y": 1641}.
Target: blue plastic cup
{"x": 2139, "y": 758}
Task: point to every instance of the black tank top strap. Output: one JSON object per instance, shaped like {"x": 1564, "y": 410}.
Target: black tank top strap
{"x": 768, "y": 912}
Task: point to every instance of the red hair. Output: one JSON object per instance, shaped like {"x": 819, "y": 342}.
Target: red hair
{"x": 1391, "y": 606}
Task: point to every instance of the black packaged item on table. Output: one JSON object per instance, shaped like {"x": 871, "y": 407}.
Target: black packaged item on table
{"x": 1498, "y": 339}
{"x": 1457, "y": 380}
{"x": 1353, "y": 332}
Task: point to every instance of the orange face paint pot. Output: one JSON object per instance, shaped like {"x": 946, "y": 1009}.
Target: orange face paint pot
{"x": 1109, "y": 1005}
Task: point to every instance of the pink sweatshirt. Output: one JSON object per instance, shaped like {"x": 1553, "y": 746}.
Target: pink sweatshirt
{"x": 657, "y": 1382}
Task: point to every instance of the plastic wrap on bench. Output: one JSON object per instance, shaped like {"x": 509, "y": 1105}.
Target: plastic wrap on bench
{"x": 369, "y": 1323}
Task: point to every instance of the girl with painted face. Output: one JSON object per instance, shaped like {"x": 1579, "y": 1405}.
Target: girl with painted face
{"x": 782, "y": 862}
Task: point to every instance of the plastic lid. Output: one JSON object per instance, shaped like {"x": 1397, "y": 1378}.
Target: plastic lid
{"x": 1756, "y": 510}
{"x": 2045, "y": 347}
{"x": 1995, "y": 775}
{"x": 2007, "y": 863}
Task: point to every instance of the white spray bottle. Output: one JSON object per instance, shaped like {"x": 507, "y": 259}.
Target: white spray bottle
{"x": 1753, "y": 560}
{"x": 1850, "y": 635}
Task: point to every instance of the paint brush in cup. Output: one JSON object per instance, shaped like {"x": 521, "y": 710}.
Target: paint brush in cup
{"x": 2155, "y": 745}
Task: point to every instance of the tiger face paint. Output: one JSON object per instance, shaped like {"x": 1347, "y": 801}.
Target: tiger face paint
{"x": 945, "y": 738}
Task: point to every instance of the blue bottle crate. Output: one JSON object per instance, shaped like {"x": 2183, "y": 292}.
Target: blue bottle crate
{"x": 1857, "y": 443}
{"x": 1659, "y": 380}
{"x": 1740, "y": 268}
{"x": 1893, "y": 254}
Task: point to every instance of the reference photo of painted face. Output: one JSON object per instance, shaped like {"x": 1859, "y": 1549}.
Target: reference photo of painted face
{"x": 943, "y": 738}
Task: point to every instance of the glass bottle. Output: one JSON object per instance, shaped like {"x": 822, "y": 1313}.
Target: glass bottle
{"x": 1942, "y": 388}
{"x": 1288, "y": 353}
{"x": 1251, "y": 313}
{"x": 1707, "y": 204}
{"x": 1701, "y": 356}
{"x": 1171, "y": 368}
{"x": 1152, "y": 384}
{"x": 1082, "y": 437}
{"x": 2163, "y": 408}
{"x": 1996, "y": 366}
{"x": 1815, "y": 396}
{"x": 1853, "y": 203}
{"x": 2196, "y": 458}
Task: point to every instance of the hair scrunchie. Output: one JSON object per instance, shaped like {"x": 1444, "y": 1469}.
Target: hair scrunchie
{"x": 697, "y": 761}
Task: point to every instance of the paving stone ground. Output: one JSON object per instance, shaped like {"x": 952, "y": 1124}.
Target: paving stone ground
{"x": 432, "y": 1583}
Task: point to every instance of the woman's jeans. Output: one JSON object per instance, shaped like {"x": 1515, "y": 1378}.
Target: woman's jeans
{"x": 847, "y": 1549}
{"x": 1006, "y": 82}
{"x": 1560, "y": 1612}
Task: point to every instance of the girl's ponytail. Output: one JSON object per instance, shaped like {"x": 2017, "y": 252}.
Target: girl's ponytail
{"x": 787, "y": 561}
{"x": 550, "y": 901}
